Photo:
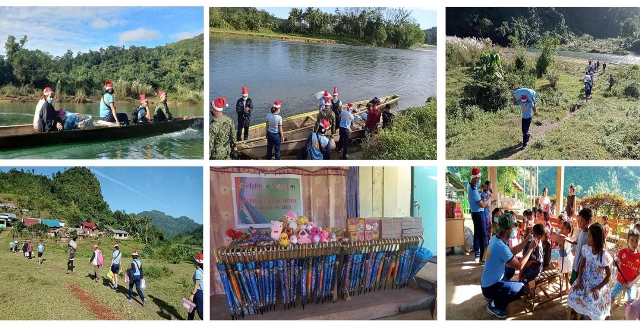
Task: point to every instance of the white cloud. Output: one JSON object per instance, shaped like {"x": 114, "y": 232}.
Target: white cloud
{"x": 139, "y": 34}
{"x": 186, "y": 35}
{"x": 100, "y": 23}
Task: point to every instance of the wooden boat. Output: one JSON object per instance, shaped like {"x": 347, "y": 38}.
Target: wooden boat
{"x": 308, "y": 119}
{"x": 24, "y": 136}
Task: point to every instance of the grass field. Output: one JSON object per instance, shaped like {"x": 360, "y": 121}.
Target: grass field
{"x": 30, "y": 291}
{"x": 565, "y": 126}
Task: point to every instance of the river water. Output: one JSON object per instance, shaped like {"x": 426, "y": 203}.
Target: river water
{"x": 294, "y": 72}
{"x": 188, "y": 144}
{"x": 603, "y": 58}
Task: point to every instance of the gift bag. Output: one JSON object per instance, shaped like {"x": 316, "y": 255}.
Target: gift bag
{"x": 188, "y": 305}
{"x": 126, "y": 278}
{"x": 143, "y": 284}
{"x": 109, "y": 275}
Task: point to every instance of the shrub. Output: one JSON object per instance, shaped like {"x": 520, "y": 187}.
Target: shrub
{"x": 521, "y": 61}
{"x": 521, "y": 79}
{"x": 553, "y": 78}
{"x": 545, "y": 60}
{"x": 157, "y": 272}
{"x": 632, "y": 91}
{"x": 490, "y": 95}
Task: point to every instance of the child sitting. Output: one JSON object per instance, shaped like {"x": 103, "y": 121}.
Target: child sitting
{"x": 628, "y": 261}
{"x": 590, "y": 294}
{"x": 534, "y": 265}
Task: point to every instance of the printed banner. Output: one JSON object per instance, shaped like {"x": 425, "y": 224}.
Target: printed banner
{"x": 259, "y": 199}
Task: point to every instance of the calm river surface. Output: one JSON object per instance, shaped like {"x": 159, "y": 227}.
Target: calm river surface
{"x": 294, "y": 71}
{"x": 187, "y": 143}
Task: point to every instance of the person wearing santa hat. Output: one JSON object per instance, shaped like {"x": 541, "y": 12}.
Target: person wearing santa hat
{"x": 142, "y": 115}
{"x": 136, "y": 277}
{"x": 197, "y": 294}
{"x": 318, "y": 146}
{"x": 326, "y": 114}
{"x": 222, "y": 134}
{"x": 274, "y": 133}
{"x": 162, "y": 113}
{"x": 526, "y": 99}
{"x": 322, "y": 100}
{"x": 48, "y": 119}
{"x": 346, "y": 122}
{"x": 244, "y": 106}
{"x": 477, "y": 206}
{"x": 336, "y": 105}
{"x": 373, "y": 116}
{"x": 108, "y": 107}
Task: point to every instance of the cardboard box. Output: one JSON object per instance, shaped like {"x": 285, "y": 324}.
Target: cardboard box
{"x": 355, "y": 224}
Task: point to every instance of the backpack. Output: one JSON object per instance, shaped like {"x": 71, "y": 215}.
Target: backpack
{"x": 100, "y": 259}
{"x": 134, "y": 116}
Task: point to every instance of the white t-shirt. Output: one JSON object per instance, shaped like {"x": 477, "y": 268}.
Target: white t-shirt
{"x": 95, "y": 258}
{"x": 36, "y": 114}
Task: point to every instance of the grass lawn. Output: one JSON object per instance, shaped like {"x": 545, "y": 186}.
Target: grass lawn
{"x": 565, "y": 126}
{"x": 45, "y": 292}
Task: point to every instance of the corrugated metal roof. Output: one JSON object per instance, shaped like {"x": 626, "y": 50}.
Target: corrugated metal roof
{"x": 50, "y": 223}
{"x": 120, "y": 231}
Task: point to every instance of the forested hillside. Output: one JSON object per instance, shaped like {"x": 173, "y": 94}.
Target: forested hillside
{"x": 75, "y": 194}
{"x": 528, "y": 25}
{"x": 176, "y": 67}
{"x": 388, "y": 27}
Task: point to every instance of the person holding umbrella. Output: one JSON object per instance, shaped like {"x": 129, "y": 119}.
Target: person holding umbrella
{"x": 198, "y": 288}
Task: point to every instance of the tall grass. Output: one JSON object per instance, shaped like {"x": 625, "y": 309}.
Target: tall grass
{"x": 465, "y": 52}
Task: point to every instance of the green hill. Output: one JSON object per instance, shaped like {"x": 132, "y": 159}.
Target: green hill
{"x": 171, "y": 226}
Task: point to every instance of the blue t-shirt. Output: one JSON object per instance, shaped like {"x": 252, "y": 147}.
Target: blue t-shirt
{"x": 474, "y": 197}
{"x": 582, "y": 240}
{"x": 117, "y": 257}
{"x": 137, "y": 265}
{"x": 364, "y": 116}
{"x": 40, "y": 248}
{"x": 106, "y": 99}
{"x": 274, "y": 122}
{"x": 346, "y": 119}
{"x": 525, "y": 106}
{"x": 71, "y": 122}
{"x": 496, "y": 257}
{"x": 316, "y": 153}
{"x": 198, "y": 276}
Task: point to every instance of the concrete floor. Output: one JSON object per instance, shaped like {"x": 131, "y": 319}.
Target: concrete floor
{"x": 465, "y": 301}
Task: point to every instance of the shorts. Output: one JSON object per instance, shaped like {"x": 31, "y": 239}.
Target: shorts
{"x": 39, "y": 254}
{"x": 115, "y": 268}
{"x": 529, "y": 275}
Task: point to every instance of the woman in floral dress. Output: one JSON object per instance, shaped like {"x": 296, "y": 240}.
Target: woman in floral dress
{"x": 590, "y": 294}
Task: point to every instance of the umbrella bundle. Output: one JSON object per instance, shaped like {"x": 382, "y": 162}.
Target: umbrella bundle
{"x": 257, "y": 277}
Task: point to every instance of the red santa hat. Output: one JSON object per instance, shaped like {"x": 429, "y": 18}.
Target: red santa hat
{"x": 143, "y": 98}
{"x": 277, "y": 104}
{"x": 47, "y": 91}
{"x": 161, "y": 93}
{"x": 326, "y": 93}
{"x": 327, "y": 101}
{"x": 475, "y": 173}
{"x": 219, "y": 104}
{"x": 325, "y": 124}
{"x": 350, "y": 105}
{"x": 135, "y": 252}
{"x": 335, "y": 91}
{"x": 245, "y": 91}
{"x": 199, "y": 258}
{"x": 108, "y": 85}
{"x": 523, "y": 97}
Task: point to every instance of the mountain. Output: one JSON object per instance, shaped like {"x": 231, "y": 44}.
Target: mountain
{"x": 621, "y": 180}
{"x": 169, "y": 225}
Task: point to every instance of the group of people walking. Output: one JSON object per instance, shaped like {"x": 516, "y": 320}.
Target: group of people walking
{"x": 48, "y": 119}
{"x": 27, "y": 249}
{"x": 332, "y": 117}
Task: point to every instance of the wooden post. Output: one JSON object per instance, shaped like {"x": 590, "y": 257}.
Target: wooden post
{"x": 530, "y": 186}
{"x": 493, "y": 178}
{"x": 559, "y": 189}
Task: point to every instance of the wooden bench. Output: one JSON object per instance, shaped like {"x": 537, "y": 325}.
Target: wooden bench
{"x": 551, "y": 284}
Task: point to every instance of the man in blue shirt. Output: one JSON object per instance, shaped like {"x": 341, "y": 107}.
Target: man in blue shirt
{"x": 108, "y": 107}
{"x": 346, "y": 122}
{"x": 526, "y": 99}
{"x": 477, "y": 206}
{"x": 497, "y": 288}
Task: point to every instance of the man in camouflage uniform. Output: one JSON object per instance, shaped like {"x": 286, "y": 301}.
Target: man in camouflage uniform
{"x": 162, "y": 113}
{"x": 328, "y": 115}
{"x": 222, "y": 134}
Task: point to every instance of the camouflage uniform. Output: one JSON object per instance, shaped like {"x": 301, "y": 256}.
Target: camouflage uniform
{"x": 328, "y": 115}
{"x": 222, "y": 137}
{"x": 162, "y": 113}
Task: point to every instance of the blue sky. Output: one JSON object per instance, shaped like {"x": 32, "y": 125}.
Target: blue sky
{"x": 80, "y": 29}
{"x": 177, "y": 191}
{"x": 427, "y": 18}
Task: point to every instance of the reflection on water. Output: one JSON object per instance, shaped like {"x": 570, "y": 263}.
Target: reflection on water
{"x": 294, "y": 71}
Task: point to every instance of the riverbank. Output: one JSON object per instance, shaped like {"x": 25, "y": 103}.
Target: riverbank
{"x": 299, "y": 38}
{"x": 566, "y": 126}
{"x": 80, "y": 100}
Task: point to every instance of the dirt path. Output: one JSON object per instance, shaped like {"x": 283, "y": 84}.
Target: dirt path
{"x": 539, "y": 131}
{"x": 101, "y": 310}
